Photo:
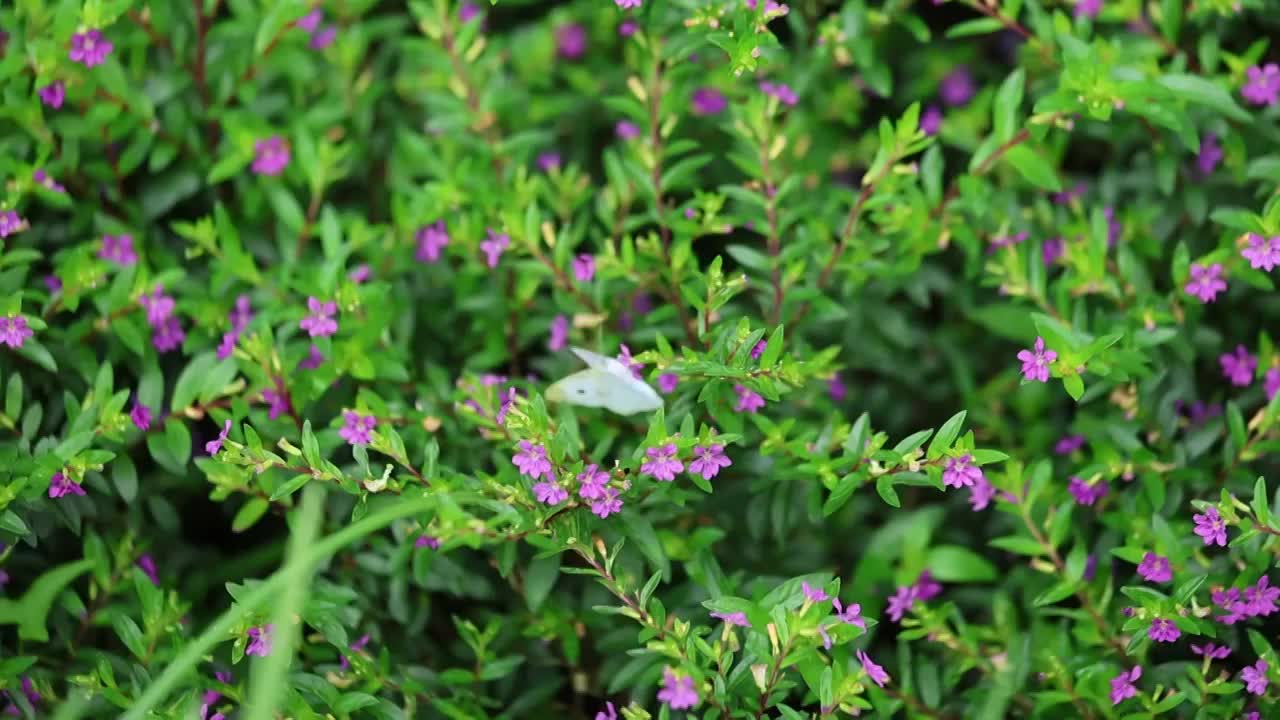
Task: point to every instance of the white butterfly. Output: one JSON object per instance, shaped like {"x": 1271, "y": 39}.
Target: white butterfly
{"x": 605, "y": 383}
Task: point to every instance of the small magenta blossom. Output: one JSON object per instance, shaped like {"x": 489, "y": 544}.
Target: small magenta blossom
{"x": 628, "y": 28}
{"x": 981, "y": 494}
{"x": 356, "y": 646}
{"x": 213, "y": 446}
{"x": 811, "y": 593}
{"x": 1086, "y": 494}
{"x": 427, "y": 541}
{"x": 571, "y": 41}
{"x": 780, "y": 92}
{"x": 1210, "y": 154}
{"x": 260, "y": 640}
{"x": 748, "y": 401}
{"x": 609, "y": 712}
{"x": 873, "y": 671}
{"x": 1164, "y": 631}
{"x": 1211, "y": 527}
{"x": 960, "y": 471}
{"x": 607, "y": 504}
{"x": 532, "y": 461}
{"x": 242, "y": 314}
{"x": 851, "y": 615}
{"x": 469, "y": 11}
{"x": 493, "y": 247}
{"x": 1035, "y": 362}
{"x": 708, "y": 101}
{"x": 628, "y": 4}
{"x": 432, "y": 240}
{"x": 1088, "y": 8}
{"x": 60, "y": 486}
{"x": 1069, "y": 444}
{"x": 1239, "y": 367}
{"x": 42, "y": 178}
{"x": 324, "y": 38}
{"x": 360, "y": 273}
{"x": 1211, "y": 651}
{"x": 141, "y": 416}
{"x": 357, "y": 428}
{"x": 1155, "y": 568}
{"x": 549, "y": 492}
{"x": 626, "y": 130}
{"x": 1270, "y": 382}
{"x": 1052, "y": 250}
{"x": 1262, "y": 253}
{"x": 667, "y": 382}
{"x": 624, "y": 357}
{"x": 931, "y": 120}
{"x": 270, "y": 156}
{"x": 147, "y": 564}
{"x": 1260, "y": 600}
{"x": 758, "y": 349}
{"x": 772, "y": 9}
{"x": 836, "y": 388}
{"x": 313, "y": 360}
{"x": 592, "y": 482}
{"x": 319, "y": 322}
{"x": 1255, "y": 676}
{"x": 228, "y": 344}
{"x": 1206, "y": 282}
{"x": 158, "y": 305}
{"x": 53, "y": 94}
{"x": 168, "y": 335}
{"x": 584, "y": 267}
{"x": 738, "y": 618}
{"x": 1122, "y": 687}
{"x": 957, "y": 88}
{"x": 90, "y": 48}
{"x": 10, "y": 223}
{"x": 559, "y": 333}
{"x": 1262, "y": 84}
{"x": 708, "y": 460}
{"x": 549, "y": 162}
{"x": 310, "y": 21}
{"x": 662, "y": 463}
{"x": 677, "y": 693}
{"x": 277, "y": 400}
{"x": 904, "y": 598}
{"x": 14, "y": 331}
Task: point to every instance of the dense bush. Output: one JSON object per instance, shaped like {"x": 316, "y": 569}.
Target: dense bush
{"x": 959, "y": 313}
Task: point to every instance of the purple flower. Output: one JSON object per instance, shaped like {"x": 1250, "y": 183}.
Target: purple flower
{"x": 874, "y": 671}
{"x": 427, "y": 541}
{"x": 324, "y": 38}
{"x": 60, "y": 485}
{"x": 748, "y": 400}
{"x": 168, "y": 335}
{"x": 960, "y": 471}
{"x": 1007, "y": 241}
{"x": 313, "y": 360}
{"x": 931, "y": 120}
{"x": 708, "y": 460}
{"x": 1260, "y": 600}
{"x": 678, "y": 693}
{"x": 957, "y": 87}
{"x": 1262, "y": 253}
{"x": 1088, "y": 8}
{"x": 550, "y": 492}
{"x": 628, "y": 28}
{"x": 41, "y": 177}
{"x": 1211, "y": 527}
{"x": 468, "y": 12}
{"x": 1052, "y": 250}
{"x": 662, "y": 464}
{"x": 1069, "y": 444}
{"x": 53, "y": 94}
{"x": 708, "y": 101}
{"x": 494, "y": 246}
{"x": 1270, "y": 383}
{"x": 1263, "y": 84}
{"x": 431, "y": 241}
{"x": 571, "y": 41}
{"x": 902, "y": 600}
{"x": 241, "y": 315}
{"x": 14, "y": 331}
{"x": 148, "y": 565}
{"x": 592, "y": 481}
{"x": 758, "y": 350}
{"x": 356, "y": 646}
{"x": 1086, "y": 494}
{"x": 320, "y": 322}
{"x": 836, "y": 388}
{"x": 738, "y": 618}
{"x": 213, "y": 446}
{"x": 228, "y": 344}
{"x": 1155, "y": 568}
{"x": 1211, "y": 651}
{"x": 89, "y": 48}
{"x": 609, "y": 713}
{"x": 141, "y": 416}
{"x": 607, "y": 504}
{"x": 549, "y": 161}
{"x": 624, "y": 357}
{"x": 1206, "y": 282}
{"x": 559, "y": 333}
{"x": 1035, "y": 362}
{"x": 1210, "y": 154}
{"x": 1255, "y": 676}
{"x": 981, "y": 494}
{"x": 1239, "y": 367}
{"x": 11, "y": 223}
{"x": 627, "y": 4}
{"x": 118, "y": 250}
{"x": 356, "y": 428}
{"x": 584, "y": 267}
{"x": 310, "y": 21}
{"x": 667, "y": 382}
{"x": 1090, "y": 566}
{"x": 811, "y": 593}
{"x": 926, "y": 587}
{"x": 1229, "y": 600}
{"x": 627, "y": 130}
{"x": 504, "y": 405}
{"x": 260, "y": 640}
{"x": 270, "y": 156}
{"x": 159, "y": 306}
{"x": 532, "y": 461}
{"x": 1164, "y": 631}
{"x": 826, "y": 638}
{"x": 360, "y": 274}
{"x": 772, "y": 8}
{"x": 53, "y": 283}
{"x": 779, "y": 91}
{"x": 851, "y": 615}
{"x": 1122, "y": 685}
{"x": 277, "y": 400}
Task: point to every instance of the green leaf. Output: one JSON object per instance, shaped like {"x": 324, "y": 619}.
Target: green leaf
{"x": 1201, "y": 91}
{"x": 1034, "y": 168}
{"x": 1057, "y": 593}
{"x": 773, "y": 348}
{"x": 884, "y": 487}
{"x": 31, "y": 611}
{"x": 1007, "y": 103}
{"x": 250, "y": 513}
{"x": 952, "y": 563}
{"x": 10, "y": 522}
{"x": 540, "y": 579}
{"x": 976, "y": 26}
{"x": 640, "y": 530}
{"x": 191, "y": 380}
{"x": 946, "y": 435}
{"x": 1074, "y": 386}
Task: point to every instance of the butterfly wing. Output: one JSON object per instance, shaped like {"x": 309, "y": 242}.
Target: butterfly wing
{"x": 597, "y": 361}
{"x": 605, "y": 383}
{"x": 587, "y": 388}
{"x": 630, "y": 396}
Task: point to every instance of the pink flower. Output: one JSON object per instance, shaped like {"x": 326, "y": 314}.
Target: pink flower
{"x": 708, "y": 461}
{"x": 432, "y": 239}
{"x": 357, "y": 428}
{"x": 981, "y": 494}
{"x": 677, "y": 692}
{"x": 260, "y": 640}
{"x": 532, "y": 461}
{"x": 667, "y": 382}
{"x": 1035, "y": 362}
{"x": 1206, "y": 282}
{"x": 1088, "y": 8}
{"x": 90, "y": 48}
{"x": 1262, "y": 253}
{"x": 559, "y": 333}
{"x": 607, "y": 504}
{"x": 708, "y": 101}
{"x": 737, "y": 618}
{"x": 627, "y": 130}
{"x": 874, "y": 671}
{"x": 60, "y": 486}
{"x": 931, "y": 120}
{"x": 549, "y": 492}
{"x": 1164, "y": 631}
{"x": 811, "y": 593}
{"x": 1122, "y": 687}
{"x": 53, "y": 94}
{"x": 960, "y": 471}
{"x": 779, "y": 91}
{"x": 1271, "y": 382}
{"x": 1239, "y": 367}
{"x": 1155, "y": 568}
{"x": 310, "y": 21}
{"x": 592, "y": 482}
{"x": 14, "y": 331}
{"x": 214, "y": 446}
{"x": 320, "y": 322}
{"x": 662, "y": 464}
{"x": 748, "y": 400}
{"x": 148, "y": 565}
{"x": 571, "y": 41}
{"x": 494, "y": 246}
{"x": 584, "y": 267}
{"x": 1262, "y": 86}
{"x": 628, "y": 4}
{"x": 270, "y": 156}
{"x": 11, "y": 223}
{"x": 1255, "y": 676}
{"x": 851, "y": 615}
{"x": 141, "y": 416}
{"x": 1211, "y": 527}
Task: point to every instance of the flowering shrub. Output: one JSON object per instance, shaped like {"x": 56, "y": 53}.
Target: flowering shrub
{"x": 959, "y": 313}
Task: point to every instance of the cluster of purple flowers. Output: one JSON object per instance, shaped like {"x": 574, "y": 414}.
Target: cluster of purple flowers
{"x": 1258, "y": 600}
{"x": 662, "y": 462}
{"x": 166, "y": 329}
{"x": 14, "y": 331}
{"x": 321, "y": 38}
{"x": 925, "y": 588}
{"x": 962, "y": 472}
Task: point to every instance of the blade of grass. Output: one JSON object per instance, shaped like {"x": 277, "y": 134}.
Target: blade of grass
{"x": 267, "y": 681}
{"x": 217, "y": 631}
